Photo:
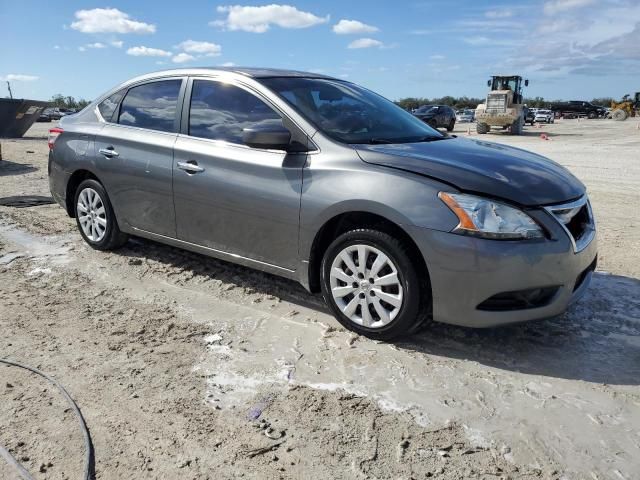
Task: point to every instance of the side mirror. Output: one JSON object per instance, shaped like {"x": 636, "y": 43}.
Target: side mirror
{"x": 488, "y": 83}
{"x": 526, "y": 83}
{"x": 268, "y": 137}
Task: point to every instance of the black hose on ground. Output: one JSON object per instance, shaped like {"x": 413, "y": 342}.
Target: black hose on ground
{"x": 87, "y": 474}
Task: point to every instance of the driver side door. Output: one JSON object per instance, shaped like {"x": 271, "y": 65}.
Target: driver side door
{"x": 230, "y": 197}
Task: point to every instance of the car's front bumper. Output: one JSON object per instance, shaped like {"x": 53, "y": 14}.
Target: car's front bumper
{"x": 466, "y": 271}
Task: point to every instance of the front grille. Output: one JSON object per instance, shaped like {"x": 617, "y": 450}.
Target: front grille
{"x": 496, "y": 103}
{"x": 519, "y": 300}
{"x": 577, "y": 220}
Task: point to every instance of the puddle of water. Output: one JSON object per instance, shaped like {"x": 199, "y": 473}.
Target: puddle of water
{"x": 52, "y": 250}
{"x": 10, "y": 257}
{"x": 538, "y": 417}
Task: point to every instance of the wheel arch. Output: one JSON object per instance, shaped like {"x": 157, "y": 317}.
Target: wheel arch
{"x": 350, "y": 220}
{"x": 72, "y": 184}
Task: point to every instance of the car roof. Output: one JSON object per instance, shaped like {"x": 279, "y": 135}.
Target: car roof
{"x": 252, "y": 72}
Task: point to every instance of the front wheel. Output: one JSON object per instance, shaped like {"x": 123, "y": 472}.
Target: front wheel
{"x": 371, "y": 285}
{"x": 95, "y": 218}
{"x": 517, "y": 126}
{"x": 482, "y": 128}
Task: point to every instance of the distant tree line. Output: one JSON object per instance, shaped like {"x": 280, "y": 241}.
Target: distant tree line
{"x": 470, "y": 102}
{"x": 61, "y": 101}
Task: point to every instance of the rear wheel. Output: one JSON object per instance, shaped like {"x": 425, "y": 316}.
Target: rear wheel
{"x": 371, "y": 285}
{"x": 482, "y": 128}
{"x": 95, "y": 218}
{"x": 592, "y": 115}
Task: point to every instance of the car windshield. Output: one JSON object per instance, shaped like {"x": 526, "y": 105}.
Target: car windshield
{"x": 351, "y": 114}
{"x": 425, "y": 108}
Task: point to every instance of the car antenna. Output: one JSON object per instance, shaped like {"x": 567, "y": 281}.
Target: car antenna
{"x": 9, "y": 87}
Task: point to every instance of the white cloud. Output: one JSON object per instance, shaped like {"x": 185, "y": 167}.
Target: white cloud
{"x": 117, "y": 43}
{"x": 482, "y": 41}
{"x": 182, "y": 58}
{"x": 96, "y": 45}
{"x": 437, "y": 57}
{"x": 365, "y": 43}
{"x": 82, "y": 49}
{"x": 56, "y": 47}
{"x": 553, "y": 7}
{"x": 350, "y": 27}
{"x": 498, "y": 13}
{"x": 260, "y": 19}
{"x": 205, "y": 48}
{"x": 108, "y": 20}
{"x": 228, "y": 64}
{"x": 18, "y": 77}
{"x": 584, "y": 41}
{"x": 148, "y": 52}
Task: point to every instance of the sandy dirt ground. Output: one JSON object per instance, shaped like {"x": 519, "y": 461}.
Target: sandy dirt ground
{"x": 189, "y": 367}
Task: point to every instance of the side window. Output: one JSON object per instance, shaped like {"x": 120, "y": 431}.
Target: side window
{"x": 151, "y": 105}
{"x": 221, "y": 111}
{"x": 109, "y": 105}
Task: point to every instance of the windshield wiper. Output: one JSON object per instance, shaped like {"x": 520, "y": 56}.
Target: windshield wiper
{"x": 378, "y": 141}
{"x": 429, "y": 138}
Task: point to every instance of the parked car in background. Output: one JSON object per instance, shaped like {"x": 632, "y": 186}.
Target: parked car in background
{"x": 46, "y": 115}
{"x": 322, "y": 181}
{"x": 465, "y": 116}
{"x": 544, "y": 116}
{"x": 56, "y": 113}
{"x": 437, "y": 116}
{"x": 577, "y": 108}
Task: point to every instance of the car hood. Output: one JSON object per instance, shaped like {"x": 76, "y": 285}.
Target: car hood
{"x": 482, "y": 167}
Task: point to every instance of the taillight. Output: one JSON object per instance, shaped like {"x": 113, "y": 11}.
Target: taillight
{"x": 54, "y": 133}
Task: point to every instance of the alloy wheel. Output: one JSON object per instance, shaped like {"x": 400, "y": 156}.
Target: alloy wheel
{"x": 92, "y": 214}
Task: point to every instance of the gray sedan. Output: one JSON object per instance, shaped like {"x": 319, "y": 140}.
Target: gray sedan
{"x": 325, "y": 182}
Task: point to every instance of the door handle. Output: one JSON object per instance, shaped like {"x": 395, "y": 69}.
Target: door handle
{"x": 108, "y": 152}
{"x": 190, "y": 167}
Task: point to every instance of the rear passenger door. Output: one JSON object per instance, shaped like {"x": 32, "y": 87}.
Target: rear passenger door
{"x": 228, "y": 196}
{"x": 134, "y": 153}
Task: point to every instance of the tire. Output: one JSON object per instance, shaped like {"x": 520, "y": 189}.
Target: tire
{"x": 592, "y": 115}
{"x": 409, "y": 294}
{"x": 451, "y": 125}
{"x": 95, "y": 218}
{"x": 516, "y": 126}
{"x": 482, "y": 128}
{"x": 619, "y": 115}
{"x": 433, "y": 124}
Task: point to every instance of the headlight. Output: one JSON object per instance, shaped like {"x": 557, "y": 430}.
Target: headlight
{"x": 487, "y": 218}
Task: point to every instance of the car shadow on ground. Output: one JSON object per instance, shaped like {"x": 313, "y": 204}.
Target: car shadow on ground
{"x": 12, "y": 168}
{"x": 597, "y": 340}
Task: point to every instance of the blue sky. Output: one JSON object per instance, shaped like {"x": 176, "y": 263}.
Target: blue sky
{"x": 570, "y": 49}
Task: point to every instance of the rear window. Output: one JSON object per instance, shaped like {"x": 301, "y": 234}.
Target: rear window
{"x": 108, "y": 106}
{"x": 151, "y": 105}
